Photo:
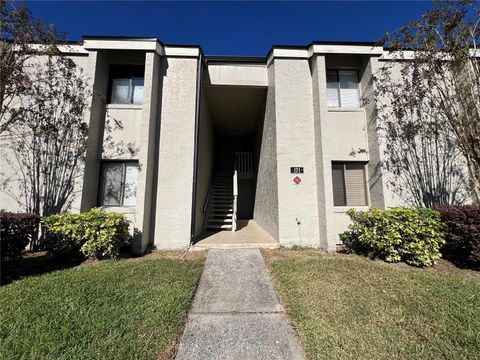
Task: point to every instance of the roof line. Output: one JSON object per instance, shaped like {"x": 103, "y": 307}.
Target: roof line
{"x": 237, "y": 58}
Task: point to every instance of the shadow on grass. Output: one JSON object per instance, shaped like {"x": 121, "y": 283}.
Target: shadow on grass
{"x": 33, "y": 264}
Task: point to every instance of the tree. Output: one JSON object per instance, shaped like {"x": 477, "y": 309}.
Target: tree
{"x": 429, "y": 107}
{"x": 48, "y": 141}
{"x": 22, "y": 37}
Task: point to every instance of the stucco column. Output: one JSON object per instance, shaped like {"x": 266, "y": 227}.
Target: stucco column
{"x": 146, "y": 159}
{"x": 297, "y": 203}
{"x": 375, "y": 177}
{"x": 323, "y": 158}
{"x": 97, "y": 68}
{"x": 173, "y": 216}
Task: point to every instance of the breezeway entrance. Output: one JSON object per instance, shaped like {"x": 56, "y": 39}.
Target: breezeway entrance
{"x": 231, "y": 126}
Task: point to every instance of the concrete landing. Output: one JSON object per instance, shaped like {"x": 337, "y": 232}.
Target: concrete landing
{"x": 236, "y": 313}
{"x": 248, "y": 235}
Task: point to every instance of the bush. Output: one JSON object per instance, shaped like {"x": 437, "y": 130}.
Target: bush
{"x": 462, "y": 234}
{"x": 94, "y": 233}
{"x": 410, "y": 235}
{"x": 17, "y": 230}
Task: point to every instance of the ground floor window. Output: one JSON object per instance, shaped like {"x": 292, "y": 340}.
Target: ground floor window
{"x": 349, "y": 184}
{"x": 118, "y": 183}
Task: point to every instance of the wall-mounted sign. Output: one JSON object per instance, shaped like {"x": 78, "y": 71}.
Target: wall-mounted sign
{"x": 296, "y": 170}
{"x": 297, "y": 180}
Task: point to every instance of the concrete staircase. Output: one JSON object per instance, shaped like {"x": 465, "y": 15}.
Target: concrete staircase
{"x": 220, "y": 209}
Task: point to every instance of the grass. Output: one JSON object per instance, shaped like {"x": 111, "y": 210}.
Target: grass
{"x": 348, "y": 307}
{"x": 122, "y": 309}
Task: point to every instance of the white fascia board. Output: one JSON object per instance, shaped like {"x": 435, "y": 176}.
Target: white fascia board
{"x": 288, "y": 53}
{"x": 181, "y": 51}
{"x": 130, "y": 44}
{"x": 410, "y": 55}
{"x": 346, "y": 49}
{"x": 64, "y": 49}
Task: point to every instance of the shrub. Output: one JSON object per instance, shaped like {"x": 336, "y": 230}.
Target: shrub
{"x": 462, "y": 234}
{"x": 411, "y": 235}
{"x": 17, "y": 230}
{"x": 94, "y": 233}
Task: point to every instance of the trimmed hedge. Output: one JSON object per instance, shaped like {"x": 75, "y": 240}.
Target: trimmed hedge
{"x": 94, "y": 234}
{"x": 410, "y": 235}
{"x": 462, "y": 234}
{"x": 17, "y": 230}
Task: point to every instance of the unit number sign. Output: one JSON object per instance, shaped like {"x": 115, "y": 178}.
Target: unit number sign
{"x": 296, "y": 170}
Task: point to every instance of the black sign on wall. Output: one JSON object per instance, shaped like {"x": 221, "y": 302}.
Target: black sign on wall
{"x": 296, "y": 170}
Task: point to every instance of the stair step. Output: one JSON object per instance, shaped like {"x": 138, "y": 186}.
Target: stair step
{"x": 219, "y": 227}
{"x": 213, "y": 221}
{"x": 222, "y": 214}
{"x": 219, "y": 218}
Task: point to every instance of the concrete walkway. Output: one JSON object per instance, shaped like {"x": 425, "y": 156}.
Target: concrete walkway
{"x": 236, "y": 313}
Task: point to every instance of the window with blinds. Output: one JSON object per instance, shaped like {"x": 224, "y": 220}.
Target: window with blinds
{"x": 342, "y": 89}
{"x": 349, "y": 184}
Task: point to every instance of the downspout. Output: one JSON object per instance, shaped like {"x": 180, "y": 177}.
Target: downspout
{"x": 195, "y": 147}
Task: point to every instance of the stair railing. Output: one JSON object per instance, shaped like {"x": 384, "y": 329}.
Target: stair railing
{"x": 206, "y": 204}
{"x": 235, "y": 196}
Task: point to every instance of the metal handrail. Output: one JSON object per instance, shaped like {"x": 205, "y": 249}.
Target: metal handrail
{"x": 235, "y": 195}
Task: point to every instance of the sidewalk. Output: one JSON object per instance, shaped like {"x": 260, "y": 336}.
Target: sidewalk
{"x": 236, "y": 313}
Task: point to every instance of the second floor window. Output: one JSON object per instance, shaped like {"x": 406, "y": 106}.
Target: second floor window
{"x": 126, "y": 84}
{"x": 342, "y": 89}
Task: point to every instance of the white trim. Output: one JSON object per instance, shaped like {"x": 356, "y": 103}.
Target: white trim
{"x": 346, "y": 49}
{"x": 345, "y": 109}
{"x": 181, "y": 51}
{"x": 130, "y": 44}
{"x": 325, "y": 49}
{"x": 65, "y": 49}
{"x": 124, "y": 106}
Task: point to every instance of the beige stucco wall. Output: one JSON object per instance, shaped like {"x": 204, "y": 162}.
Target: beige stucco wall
{"x": 122, "y": 137}
{"x": 323, "y": 163}
{"x": 206, "y": 148}
{"x": 347, "y": 135}
{"x": 297, "y": 204}
{"x": 340, "y": 135}
{"x": 375, "y": 173}
{"x": 11, "y": 198}
{"x": 236, "y": 74}
{"x": 96, "y": 121}
{"x": 265, "y": 210}
{"x": 176, "y": 152}
{"x": 148, "y": 129}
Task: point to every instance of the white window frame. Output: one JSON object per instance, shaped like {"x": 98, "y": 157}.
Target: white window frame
{"x": 339, "y": 104}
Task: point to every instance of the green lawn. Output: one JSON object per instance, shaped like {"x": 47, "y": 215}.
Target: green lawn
{"x": 346, "y": 307}
{"x": 122, "y": 309}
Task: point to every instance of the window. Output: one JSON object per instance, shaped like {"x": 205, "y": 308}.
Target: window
{"x": 118, "y": 185}
{"x": 126, "y": 84}
{"x": 342, "y": 88}
{"x": 349, "y": 184}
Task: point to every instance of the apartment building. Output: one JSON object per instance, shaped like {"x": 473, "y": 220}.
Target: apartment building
{"x": 184, "y": 143}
